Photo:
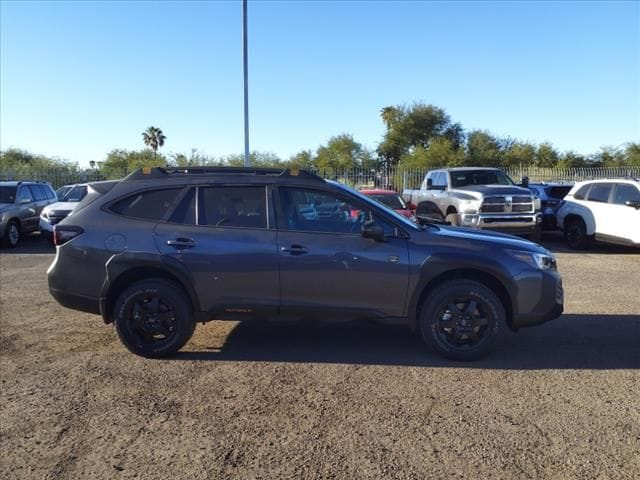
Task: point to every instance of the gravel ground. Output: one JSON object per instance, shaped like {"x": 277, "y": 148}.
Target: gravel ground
{"x": 322, "y": 401}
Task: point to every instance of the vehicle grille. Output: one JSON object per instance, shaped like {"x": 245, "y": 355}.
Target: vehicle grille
{"x": 507, "y": 204}
{"x": 56, "y": 217}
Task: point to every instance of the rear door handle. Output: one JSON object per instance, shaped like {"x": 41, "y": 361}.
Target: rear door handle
{"x": 182, "y": 243}
{"x": 294, "y": 250}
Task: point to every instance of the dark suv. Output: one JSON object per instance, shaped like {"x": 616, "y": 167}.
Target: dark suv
{"x": 163, "y": 249}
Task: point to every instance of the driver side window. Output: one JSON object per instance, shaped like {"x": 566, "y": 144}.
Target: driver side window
{"x": 317, "y": 211}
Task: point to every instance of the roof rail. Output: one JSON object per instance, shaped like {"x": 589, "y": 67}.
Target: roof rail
{"x": 164, "y": 172}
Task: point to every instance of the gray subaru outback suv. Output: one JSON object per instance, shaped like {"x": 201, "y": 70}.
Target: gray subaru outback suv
{"x": 163, "y": 249}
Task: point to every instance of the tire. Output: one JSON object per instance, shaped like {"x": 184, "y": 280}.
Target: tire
{"x": 575, "y": 234}
{"x": 136, "y": 313}
{"x": 11, "y": 236}
{"x": 462, "y": 320}
{"x": 452, "y": 218}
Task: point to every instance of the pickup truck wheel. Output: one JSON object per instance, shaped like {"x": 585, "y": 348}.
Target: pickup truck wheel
{"x": 153, "y": 318}
{"x": 462, "y": 320}
{"x": 11, "y": 234}
{"x": 452, "y": 219}
{"x": 575, "y": 233}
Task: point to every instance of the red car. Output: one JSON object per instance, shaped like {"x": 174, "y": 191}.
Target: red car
{"x": 390, "y": 199}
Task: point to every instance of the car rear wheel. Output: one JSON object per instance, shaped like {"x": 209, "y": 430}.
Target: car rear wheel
{"x": 575, "y": 233}
{"x": 462, "y": 320}
{"x": 11, "y": 234}
{"x": 153, "y": 318}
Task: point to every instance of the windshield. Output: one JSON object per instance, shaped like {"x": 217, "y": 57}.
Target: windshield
{"x": 464, "y": 178}
{"x": 7, "y": 194}
{"x": 75, "y": 194}
{"x": 405, "y": 221}
{"x": 393, "y": 201}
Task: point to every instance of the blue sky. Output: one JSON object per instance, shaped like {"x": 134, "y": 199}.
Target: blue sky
{"x": 81, "y": 78}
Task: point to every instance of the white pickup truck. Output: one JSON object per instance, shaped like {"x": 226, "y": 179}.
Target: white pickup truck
{"x": 478, "y": 198}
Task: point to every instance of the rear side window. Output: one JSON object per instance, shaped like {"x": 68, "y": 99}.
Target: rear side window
{"x": 624, "y": 193}
{"x": 147, "y": 205}
{"x": 558, "y": 192}
{"x": 37, "y": 193}
{"x": 232, "y": 207}
{"x": 185, "y": 212}
{"x": 599, "y": 192}
{"x": 582, "y": 191}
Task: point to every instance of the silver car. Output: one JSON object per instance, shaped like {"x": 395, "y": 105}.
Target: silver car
{"x": 20, "y": 207}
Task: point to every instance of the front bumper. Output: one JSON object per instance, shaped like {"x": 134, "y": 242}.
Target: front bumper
{"x": 45, "y": 227}
{"x": 539, "y": 299}
{"x": 509, "y": 223}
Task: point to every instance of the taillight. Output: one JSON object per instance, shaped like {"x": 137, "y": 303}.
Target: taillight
{"x": 411, "y": 206}
{"x": 63, "y": 233}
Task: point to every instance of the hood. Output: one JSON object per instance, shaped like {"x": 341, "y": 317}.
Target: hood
{"x": 61, "y": 206}
{"x": 488, "y": 190}
{"x": 477, "y": 239}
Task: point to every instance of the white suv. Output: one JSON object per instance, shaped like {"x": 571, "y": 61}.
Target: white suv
{"x": 604, "y": 210}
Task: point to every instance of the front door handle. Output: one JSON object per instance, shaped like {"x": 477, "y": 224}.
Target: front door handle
{"x": 181, "y": 243}
{"x": 294, "y": 250}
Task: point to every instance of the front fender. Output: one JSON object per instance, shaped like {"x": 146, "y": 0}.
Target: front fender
{"x": 458, "y": 265}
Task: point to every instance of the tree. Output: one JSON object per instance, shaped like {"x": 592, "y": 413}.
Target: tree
{"x": 303, "y": 159}
{"x": 120, "y": 162}
{"x": 484, "y": 150}
{"x": 153, "y": 138}
{"x": 546, "y": 155}
{"x": 417, "y": 126}
{"x": 520, "y": 154}
{"x": 342, "y": 152}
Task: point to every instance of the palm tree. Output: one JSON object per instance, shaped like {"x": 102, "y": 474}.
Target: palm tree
{"x": 153, "y": 138}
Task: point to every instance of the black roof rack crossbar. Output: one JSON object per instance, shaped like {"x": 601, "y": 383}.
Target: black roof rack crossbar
{"x": 162, "y": 172}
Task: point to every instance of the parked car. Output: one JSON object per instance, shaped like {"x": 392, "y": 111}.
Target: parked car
{"x": 56, "y": 212}
{"x": 20, "y": 207}
{"x": 391, "y": 199}
{"x": 550, "y": 195}
{"x": 61, "y": 192}
{"x": 482, "y": 198}
{"x": 603, "y": 210}
{"x": 165, "y": 248}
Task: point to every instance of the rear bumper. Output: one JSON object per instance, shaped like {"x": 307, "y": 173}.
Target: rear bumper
{"x": 76, "y": 302}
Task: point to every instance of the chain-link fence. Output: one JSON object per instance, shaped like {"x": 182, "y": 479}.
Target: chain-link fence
{"x": 389, "y": 178}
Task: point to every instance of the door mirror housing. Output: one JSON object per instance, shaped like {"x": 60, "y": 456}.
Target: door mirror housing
{"x": 525, "y": 182}
{"x": 24, "y": 200}
{"x": 429, "y": 183}
{"x": 373, "y": 231}
{"x": 633, "y": 204}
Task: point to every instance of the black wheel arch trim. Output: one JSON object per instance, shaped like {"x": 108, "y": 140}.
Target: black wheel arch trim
{"x": 444, "y": 266}
{"x": 130, "y": 262}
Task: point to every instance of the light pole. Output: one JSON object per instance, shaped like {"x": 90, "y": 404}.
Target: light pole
{"x": 246, "y": 83}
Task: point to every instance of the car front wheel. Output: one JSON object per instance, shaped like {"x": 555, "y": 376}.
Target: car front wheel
{"x": 153, "y": 318}
{"x": 12, "y": 234}
{"x": 462, "y": 320}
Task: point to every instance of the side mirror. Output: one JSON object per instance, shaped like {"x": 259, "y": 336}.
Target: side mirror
{"x": 24, "y": 200}
{"x": 633, "y": 204}
{"x": 429, "y": 184}
{"x": 525, "y": 182}
{"x": 374, "y": 231}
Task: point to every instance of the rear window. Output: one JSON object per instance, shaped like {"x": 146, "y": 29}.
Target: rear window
{"x": 232, "y": 207}
{"x": 147, "y": 205}
{"x": 7, "y": 194}
{"x": 558, "y": 192}
{"x": 599, "y": 192}
{"x": 582, "y": 191}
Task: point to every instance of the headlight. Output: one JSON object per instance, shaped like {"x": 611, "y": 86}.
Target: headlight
{"x": 541, "y": 261}
{"x": 44, "y": 215}
{"x": 469, "y": 206}
{"x": 537, "y": 204}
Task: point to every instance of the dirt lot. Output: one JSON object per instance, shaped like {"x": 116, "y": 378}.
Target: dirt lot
{"x": 336, "y": 401}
